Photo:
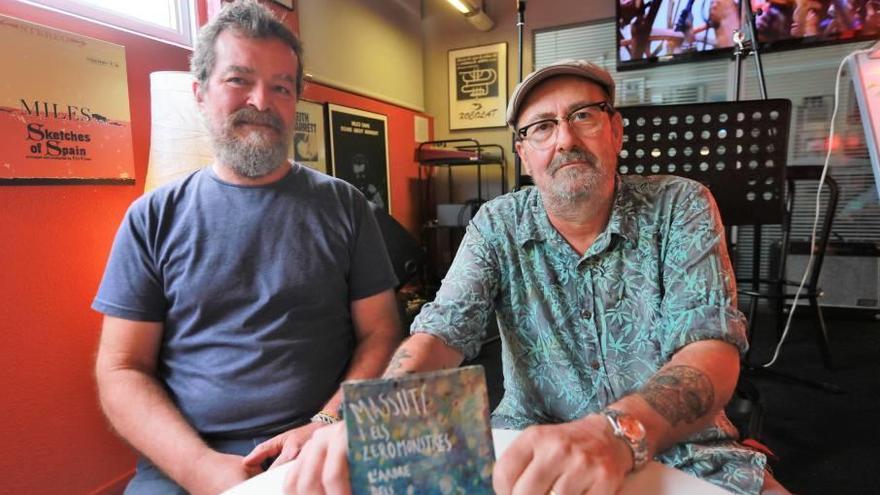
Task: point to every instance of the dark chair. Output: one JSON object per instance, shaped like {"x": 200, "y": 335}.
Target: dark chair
{"x": 779, "y": 289}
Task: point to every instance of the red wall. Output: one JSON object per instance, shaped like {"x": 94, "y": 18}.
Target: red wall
{"x": 54, "y": 241}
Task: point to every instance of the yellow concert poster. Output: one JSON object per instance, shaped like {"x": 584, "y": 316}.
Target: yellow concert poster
{"x": 63, "y": 107}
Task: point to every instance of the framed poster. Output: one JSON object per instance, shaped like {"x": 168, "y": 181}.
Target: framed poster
{"x": 359, "y": 151}
{"x": 478, "y": 87}
{"x": 309, "y": 144}
{"x": 64, "y": 113}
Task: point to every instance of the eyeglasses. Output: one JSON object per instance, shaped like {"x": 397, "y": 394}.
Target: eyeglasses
{"x": 585, "y": 121}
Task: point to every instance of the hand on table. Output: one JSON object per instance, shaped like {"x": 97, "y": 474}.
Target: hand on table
{"x": 285, "y": 445}
{"x": 323, "y": 466}
{"x": 216, "y": 472}
{"x": 583, "y": 456}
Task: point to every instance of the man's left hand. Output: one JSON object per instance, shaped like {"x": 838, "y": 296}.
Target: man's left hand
{"x": 286, "y": 446}
{"x": 583, "y": 456}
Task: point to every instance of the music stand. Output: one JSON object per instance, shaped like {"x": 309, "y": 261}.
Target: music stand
{"x": 737, "y": 149}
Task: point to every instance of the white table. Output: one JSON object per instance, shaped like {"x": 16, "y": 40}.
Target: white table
{"x": 654, "y": 478}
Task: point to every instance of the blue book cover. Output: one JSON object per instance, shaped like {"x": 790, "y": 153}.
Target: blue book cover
{"x": 424, "y": 433}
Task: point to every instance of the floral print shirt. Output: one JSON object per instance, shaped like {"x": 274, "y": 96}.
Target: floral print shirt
{"x": 580, "y": 332}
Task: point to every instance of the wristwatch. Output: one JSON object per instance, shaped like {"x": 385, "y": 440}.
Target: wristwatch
{"x": 629, "y": 429}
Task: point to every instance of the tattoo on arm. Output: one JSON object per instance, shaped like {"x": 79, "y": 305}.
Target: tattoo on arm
{"x": 396, "y": 362}
{"x": 679, "y": 393}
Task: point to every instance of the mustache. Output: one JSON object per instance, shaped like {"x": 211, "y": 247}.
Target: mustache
{"x": 256, "y": 117}
{"x": 574, "y": 155}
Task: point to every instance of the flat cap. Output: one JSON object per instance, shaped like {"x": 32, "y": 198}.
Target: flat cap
{"x": 570, "y": 67}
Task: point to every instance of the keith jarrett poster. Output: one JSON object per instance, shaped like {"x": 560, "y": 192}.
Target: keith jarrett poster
{"x": 478, "y": 86}
{"x": 64, "y": 112}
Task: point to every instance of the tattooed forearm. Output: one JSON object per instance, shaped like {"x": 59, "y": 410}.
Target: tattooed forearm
{"x": 394, "y": 368}
{"x": 679, "y": 393}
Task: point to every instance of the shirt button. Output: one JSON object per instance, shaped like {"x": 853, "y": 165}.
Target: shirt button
{"x": 594, "y": 365}
{"x": 586, "y": 314}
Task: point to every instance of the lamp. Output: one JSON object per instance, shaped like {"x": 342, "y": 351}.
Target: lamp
{"x": 179, "y": 142}
{"x": 473, "y": 14}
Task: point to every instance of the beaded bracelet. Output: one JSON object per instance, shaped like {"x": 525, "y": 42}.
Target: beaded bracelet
{"x": 326, "y": 417}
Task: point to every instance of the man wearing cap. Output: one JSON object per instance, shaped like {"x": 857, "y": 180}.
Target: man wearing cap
{"x": 616, "y": 305}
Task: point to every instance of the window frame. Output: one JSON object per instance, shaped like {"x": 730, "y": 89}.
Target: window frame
{"x": 184, "y": 36}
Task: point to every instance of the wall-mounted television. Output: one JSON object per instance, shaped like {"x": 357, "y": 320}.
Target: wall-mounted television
{"x": 666, "y": 31}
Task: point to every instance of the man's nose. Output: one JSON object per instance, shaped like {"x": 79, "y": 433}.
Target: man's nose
{"x": 566, "y": 136}
{"x": 259, "y": 96}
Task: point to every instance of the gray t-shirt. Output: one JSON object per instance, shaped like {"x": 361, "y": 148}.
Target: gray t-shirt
{"x": 254, "y": 286}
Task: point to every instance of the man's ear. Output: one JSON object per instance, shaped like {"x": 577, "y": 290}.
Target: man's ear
{"x": 522, "y": 157}
{"x": 198, "y": 93}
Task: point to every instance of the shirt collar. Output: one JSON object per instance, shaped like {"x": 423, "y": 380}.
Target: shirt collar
{"x": 536, "y": 226}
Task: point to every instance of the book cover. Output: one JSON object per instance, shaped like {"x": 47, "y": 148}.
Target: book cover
{"x": 425, "y": 433}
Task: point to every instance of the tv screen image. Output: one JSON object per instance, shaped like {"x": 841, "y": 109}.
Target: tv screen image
{"x": 656, "y": 31}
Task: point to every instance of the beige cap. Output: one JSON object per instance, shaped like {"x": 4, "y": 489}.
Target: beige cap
{"x": 570, "y": 67}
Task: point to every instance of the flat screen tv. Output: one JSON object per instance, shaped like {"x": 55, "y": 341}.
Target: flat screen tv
{"x": 665, "y": 31}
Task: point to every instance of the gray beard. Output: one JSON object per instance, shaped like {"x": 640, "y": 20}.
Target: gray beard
{"x": 569, "y": 186}
{"x": 254, "y": 155}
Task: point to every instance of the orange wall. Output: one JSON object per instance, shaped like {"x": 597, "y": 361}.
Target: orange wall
{"x": 54, "y": 241}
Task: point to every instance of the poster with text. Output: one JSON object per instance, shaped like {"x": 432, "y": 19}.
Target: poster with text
{"x": 308, "y": 140}
{"x": 64, "y": 112}
{"x": 478, "y": 87}
{"x": 359, "y": 151}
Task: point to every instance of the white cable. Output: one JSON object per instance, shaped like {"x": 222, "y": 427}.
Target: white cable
{"x": 797, "y": 293}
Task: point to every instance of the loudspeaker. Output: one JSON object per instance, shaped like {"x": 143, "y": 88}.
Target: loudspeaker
{"x": 404, "y": 251}
{"x": 850, "y": 276}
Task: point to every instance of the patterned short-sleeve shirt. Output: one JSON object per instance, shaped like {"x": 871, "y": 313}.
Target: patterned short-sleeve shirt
{"x": 581, "y": 332}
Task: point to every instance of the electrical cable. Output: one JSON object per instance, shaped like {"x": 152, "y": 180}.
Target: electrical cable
{"x": 818, "y": 208}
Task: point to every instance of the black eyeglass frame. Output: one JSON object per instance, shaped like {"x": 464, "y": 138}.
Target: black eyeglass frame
{"x": 604, "y": 105}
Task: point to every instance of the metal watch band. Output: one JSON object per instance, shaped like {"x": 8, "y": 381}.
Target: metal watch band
{"x": 636, "y": 441}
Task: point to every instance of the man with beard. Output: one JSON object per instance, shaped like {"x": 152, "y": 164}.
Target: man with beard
{"x": 237, "y": 299}
{"x": 616, "y": 305}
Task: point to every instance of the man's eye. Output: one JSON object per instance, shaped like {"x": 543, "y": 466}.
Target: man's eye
{"x": 545, "y": 126}
{"x": 580, "y": 116}
{"x": 283, "y": 90}
{"x": 237, "y": 81}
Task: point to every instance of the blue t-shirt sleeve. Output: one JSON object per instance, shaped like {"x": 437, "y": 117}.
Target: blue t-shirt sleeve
{"x": 132, "y": 286}
{"x": 371, "y": 270}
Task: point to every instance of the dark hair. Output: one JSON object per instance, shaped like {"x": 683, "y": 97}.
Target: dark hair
{"x": 250, "y": 19}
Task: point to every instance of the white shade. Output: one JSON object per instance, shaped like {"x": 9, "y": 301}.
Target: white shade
{"x": 179, "y": 142}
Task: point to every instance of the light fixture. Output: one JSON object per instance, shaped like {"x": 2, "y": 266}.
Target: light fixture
{"x": 473, "y": 14}
{"x": 463, "y": 6}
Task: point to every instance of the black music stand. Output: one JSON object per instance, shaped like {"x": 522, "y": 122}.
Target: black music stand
{"x": 737, "y": 149}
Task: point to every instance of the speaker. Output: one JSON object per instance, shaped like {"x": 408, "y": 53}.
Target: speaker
{"x": 850, "y": 276}
{"x": 407, "y": 257}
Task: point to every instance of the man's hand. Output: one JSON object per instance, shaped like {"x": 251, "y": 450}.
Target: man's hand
{"x": 215, "y": 472}
{"x": 285, "y": 445}
{"x": 322, "y": 467}
{"x": 578, "y": 457}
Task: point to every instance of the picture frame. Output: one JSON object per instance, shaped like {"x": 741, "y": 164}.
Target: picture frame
{"x": 359, "y": 151}
{"x": 478, "y": 87}
{"x": 309, "y": 138}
